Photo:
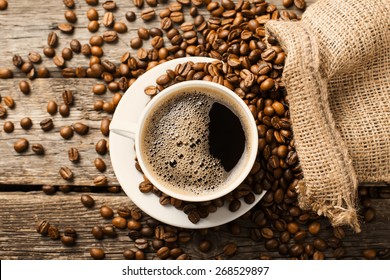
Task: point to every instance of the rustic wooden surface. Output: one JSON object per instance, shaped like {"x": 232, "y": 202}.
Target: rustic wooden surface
{"x": 24, "y": 27}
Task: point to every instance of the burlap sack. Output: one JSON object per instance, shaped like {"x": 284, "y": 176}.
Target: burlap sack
{"x": 337, "y": 76}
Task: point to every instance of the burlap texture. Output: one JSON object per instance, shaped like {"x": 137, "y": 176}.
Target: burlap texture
{"x": 337, "y": 77}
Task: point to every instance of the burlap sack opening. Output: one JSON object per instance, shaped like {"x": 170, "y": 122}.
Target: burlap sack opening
{"x": 337, "y": 77}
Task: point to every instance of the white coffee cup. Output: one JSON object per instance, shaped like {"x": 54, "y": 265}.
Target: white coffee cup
{"x": 224, "y": 96}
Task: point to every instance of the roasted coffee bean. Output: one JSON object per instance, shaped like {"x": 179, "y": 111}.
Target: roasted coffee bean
{"x": 163, "y": 253}
{"x": 108, "y": 19}
{"x": 141, "y": 244}
{"x": 64, "y": 110}
{"x": 128, "y": 254}
{"x": 109, "y": 231}
{"x": 138, "y": 3}
{"x": 130, "y": 16}
{"x": 106, "y": 212}
{"x": 204, "y": 246}
{"x": 110, "y": 36}
{"x": 109, "y": 5}
{"x": 67, "y": 97}
{"x": 338, "y": 232}
{"x": 70, "y": 16}
{"x": 46, "y": 124}
{"x": 8, "y": 127}
{"x": 288, "y": 3}
{"x": 120, "y": 27}
{"x": 97, "y": 231}
{"x": 136, "y": 43}
{"x": 93, "y": 26}
{"x": 49, "y": 52}
{"x": 53, "y": 233}
{"x": 17, "y": 61}
{"x": 97, "y": 253}
{"x": 99, "y": 89}
{"x": 230, "y": 249}
{"x": 97, "y": 52}
{"x": 80, "y": 128}
{"x": 100, "y": 180}
{"x": 314, "y": 228}
{"x": 338, "y": 253}
{"x": 119, "y": 222}
{"x": 143, "y": 33}
{"x": 109, "y": 107}
{"x": 369, "y": 214}
{"x": 67, "y": 53}
{"x": 267, "y": 233}
{"x": 52, "y": 39}
{"x": 66, "y": 173}
{"x": 6, "y": 73}
{"x": 38, "y": 149}
{"x": 148, "y": 14}
{"x": 73, "y": 155}
{"x": 105, "y": 126}
{"x": 52, "y": 107}
{"x": 87, "y": 201}
{"x": 42, "y": 227}
{"x": 123, "y": 211}
{"x": 59, "y": 61}
{"x": 66, "y": 132}
{"x": 69, "y": 3}
{"x": 9, "y": 102}
{"x": 318, "y": 255}
{"x": 21, "y": 145}
{"x": 234, "y": 205}
{"x": 3, "y": 112}
{"x": 27, "y": 67}
{"x": 320, "y": 244}
{"x": 157, "y": 42}
{"x": 300, "y": 4}
{"x": 69, "y": 237}
{"x": 134, "y": 225}
{"x": 101, "y": 147}
{"x": 34, "y": 57}
{"x": 296, "y": 250}
{"x": 177, "y": 17}
{"x": 66, "y": 28}
{"x": 3, "y": 5}
{"x": 100, "y": 164}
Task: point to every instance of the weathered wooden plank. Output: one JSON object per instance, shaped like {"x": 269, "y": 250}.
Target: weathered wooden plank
{"x": 20, "y": 211}
{"x": 28, "y": 168}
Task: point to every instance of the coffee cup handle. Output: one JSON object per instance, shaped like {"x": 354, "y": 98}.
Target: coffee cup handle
{"x": 125, "y": 129}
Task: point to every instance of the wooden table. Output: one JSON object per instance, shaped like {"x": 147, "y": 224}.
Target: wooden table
{"x": 24, "y": 28}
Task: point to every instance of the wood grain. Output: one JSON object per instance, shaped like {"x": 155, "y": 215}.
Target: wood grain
{"x": 19, "y": 239}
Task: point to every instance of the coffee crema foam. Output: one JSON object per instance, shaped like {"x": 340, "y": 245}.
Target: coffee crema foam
{"x": 175, "y": 141}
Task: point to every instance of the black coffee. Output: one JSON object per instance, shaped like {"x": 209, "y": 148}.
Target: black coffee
{"x": 194, "y": 142}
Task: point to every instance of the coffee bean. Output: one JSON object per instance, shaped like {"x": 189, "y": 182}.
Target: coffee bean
{"x": 100, "y": 164}
{"x": 49, "y": 189}
{"x": 120, "y": 27}
{"x": 314, "y": 228}
{"x": 234, "y": 205}
{"x": 6, "y": 73}
{"x": 34, "y": 57}
{"x": 51, "y": 107}
{"x": 109, "y": 231}
{"x": 38, "y": 149}
{"x": 338, "y": 232}
{"x": 3, "y": 112}
{"x": 73, "y": 155}
{"x": 320, "y": 244}
{"x": 21, "y": 145}
{"x": 27, "y": 67}
{"x": 230, "y": 249}
{"x": 300, "y": 4}
{"x": 110, "y": 36}
{"x": 97, "y": 231}
{"x": 17, "y": 61}
{"x": 141, "y": 244}
{"x": 318, "y": 255}
{"x": 148, "y": 14}
{"x": 163, "y": 253}
{"x": 267, "y": 233}
{"x": 128, "y": 254}
{"x": 69, "y": 3}
{"x": 369, "y": 214}
{"x": 288, "y": 3}
{"x": 101, "y": 147}
{"x": 66, "y": 28}
{"x": 80, "y": 128}
{"x": 49, "y": 52}
{"x": 99, "y": 89}
{"x": 97, "y": 253}
{"x": 66, "y": 132}
{"x": 296, "y": 250}
{"x": 67, "y": 53}
{"x": 59, "y": 61}
{"x": 104, "y": 126}
{"x": 87, "y": 201}
{"x": 9, "y": 102}
{"x": 204, "y": 246}
{"x": 271, "y": 244}
{"x": 66, "y": 173}
{"x": 338, "y": 253}
{"x": 109, "y": 5}
{"x": 108, "y": 107}
{"x": 46, "y": 124}
{"x": 108, "y": 19}
{"x": 52, "y": 39}
{"x": 42, "y": 227}
{"x": 143, "y": 33}
{"x": 93, "y": 26}
{"x": 100, "y": 180}
{"x": 106, "y": 212}
{"x": 119, "y": 222}
{"x": 130, "y": 16}
{"x": 53, "y": 233}
{"x": 70, "y": 16}
{"x": 8, "y": 127}
{"x": 136, "y": 43}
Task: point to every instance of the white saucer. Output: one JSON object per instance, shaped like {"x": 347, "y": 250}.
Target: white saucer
{"x": 122, "y": 157}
